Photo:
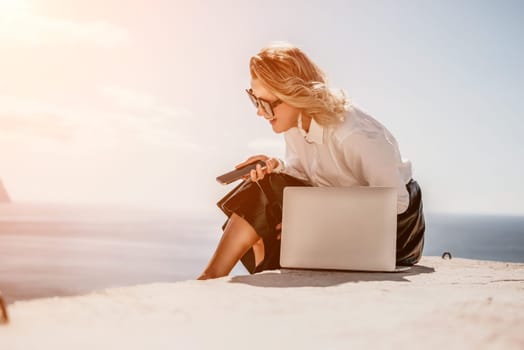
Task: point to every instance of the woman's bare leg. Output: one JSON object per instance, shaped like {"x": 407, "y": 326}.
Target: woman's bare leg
{"x": 258, "y": 250}
{"x": 238, "y": 237}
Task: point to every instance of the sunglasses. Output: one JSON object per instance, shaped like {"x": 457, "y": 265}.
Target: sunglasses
{"x": 266, "y": 105}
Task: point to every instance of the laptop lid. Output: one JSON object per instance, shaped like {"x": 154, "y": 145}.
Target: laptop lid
{"x": 339, "y": 228}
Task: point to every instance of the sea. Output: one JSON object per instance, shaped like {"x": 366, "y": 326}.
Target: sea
{"x": 59, "y": 250}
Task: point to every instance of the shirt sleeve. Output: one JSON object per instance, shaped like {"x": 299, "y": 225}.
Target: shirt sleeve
{"x": 292, "y": 165}
{"x": 373, "y": 160}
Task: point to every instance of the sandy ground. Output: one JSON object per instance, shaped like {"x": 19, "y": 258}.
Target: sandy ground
{"x": 439, "y": 304}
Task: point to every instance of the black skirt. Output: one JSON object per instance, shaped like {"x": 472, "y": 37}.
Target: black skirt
{"x": 260, "y": 204}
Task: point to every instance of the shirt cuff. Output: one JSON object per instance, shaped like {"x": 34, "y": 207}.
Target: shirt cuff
{"x": 279, "y": 168}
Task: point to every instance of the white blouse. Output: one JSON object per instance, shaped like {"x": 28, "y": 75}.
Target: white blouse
{"x": 358, "y": 152}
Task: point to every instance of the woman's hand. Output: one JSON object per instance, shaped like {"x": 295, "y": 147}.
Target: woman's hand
{"x": 259, "y": 173}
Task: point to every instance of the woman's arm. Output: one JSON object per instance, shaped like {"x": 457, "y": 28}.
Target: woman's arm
{"x": 375, "y": 160}
{"x": 292, "y": 164}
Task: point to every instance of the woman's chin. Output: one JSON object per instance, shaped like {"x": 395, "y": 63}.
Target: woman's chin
{"x": 277, "y": 128}
{"x": 274, "y": 125}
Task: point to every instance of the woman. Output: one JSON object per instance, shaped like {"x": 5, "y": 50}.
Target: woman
{"x": 329, "y": 142}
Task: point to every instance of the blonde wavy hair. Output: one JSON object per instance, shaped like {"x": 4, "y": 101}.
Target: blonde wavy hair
{"x": 291, "y": 76}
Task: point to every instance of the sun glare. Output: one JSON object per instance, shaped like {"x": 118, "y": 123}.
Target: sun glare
{"x": 12, "y": 6}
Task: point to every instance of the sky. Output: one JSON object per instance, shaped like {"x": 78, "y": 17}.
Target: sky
{"x": 142, "y": 103}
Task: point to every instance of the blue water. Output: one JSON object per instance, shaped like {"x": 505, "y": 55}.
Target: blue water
{"x": 54, "y": 252}
{"x": 476, "y": 236}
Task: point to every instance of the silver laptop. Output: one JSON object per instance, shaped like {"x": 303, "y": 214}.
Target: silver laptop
{"x": 339, "y": 228}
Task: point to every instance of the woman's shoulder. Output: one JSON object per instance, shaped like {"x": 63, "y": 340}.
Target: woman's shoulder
{"x": 356, "y": 121}
{"x": 360, "y": 128}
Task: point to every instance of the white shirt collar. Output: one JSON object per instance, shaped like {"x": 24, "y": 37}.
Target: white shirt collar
{"x": 316, "y": 131}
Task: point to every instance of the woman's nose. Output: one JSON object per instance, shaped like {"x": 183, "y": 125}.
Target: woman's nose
{"x": 260, "y": 111}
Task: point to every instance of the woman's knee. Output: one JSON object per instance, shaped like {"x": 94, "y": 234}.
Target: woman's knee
{"x": 246, "y": 234}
